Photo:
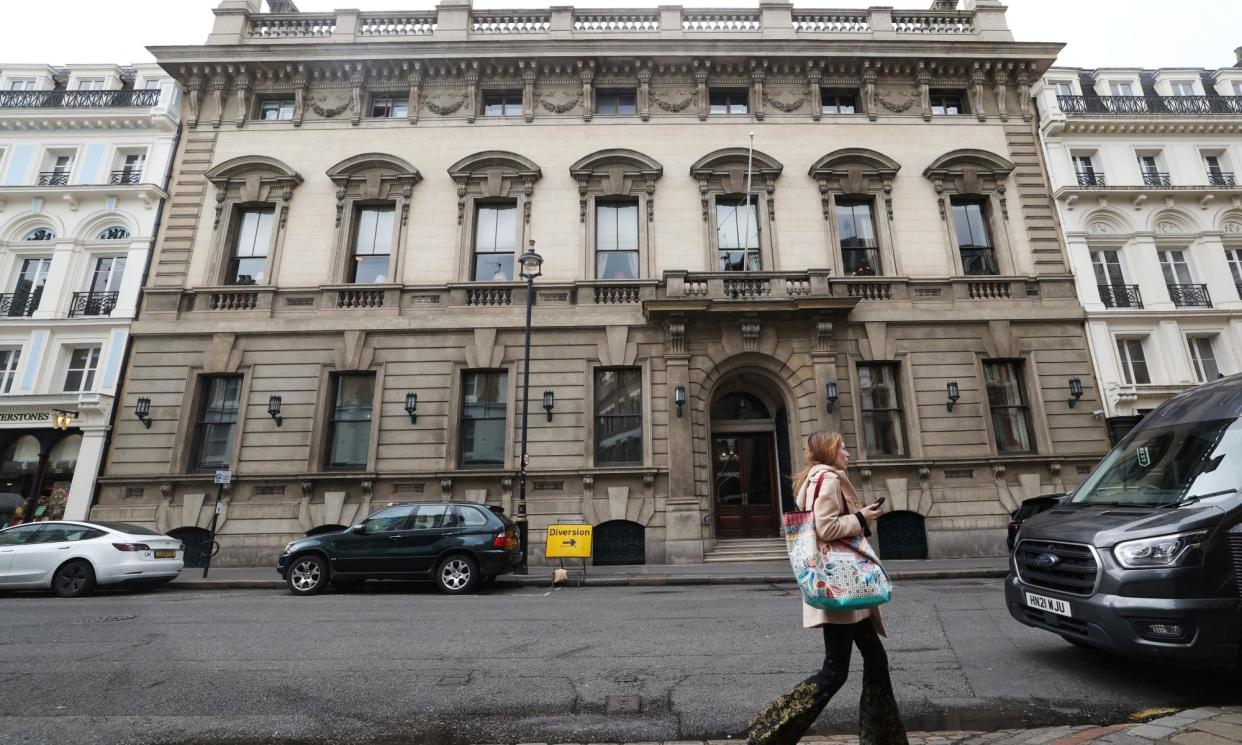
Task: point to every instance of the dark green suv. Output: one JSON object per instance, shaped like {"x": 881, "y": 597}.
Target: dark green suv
{"x": 458, "y": 545}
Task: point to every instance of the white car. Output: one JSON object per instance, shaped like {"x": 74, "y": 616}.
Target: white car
{"x": 73, "y": 557}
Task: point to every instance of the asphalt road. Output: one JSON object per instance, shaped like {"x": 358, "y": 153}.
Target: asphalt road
{"x": 406, "y": 665}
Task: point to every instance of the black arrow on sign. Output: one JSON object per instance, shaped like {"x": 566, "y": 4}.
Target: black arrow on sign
{"x": 569, "y": 542}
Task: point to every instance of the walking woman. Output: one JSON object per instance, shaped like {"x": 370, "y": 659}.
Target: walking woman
{"x": 838, "y": 514}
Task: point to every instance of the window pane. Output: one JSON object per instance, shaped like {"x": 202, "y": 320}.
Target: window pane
{"x": 351, "y": 420}
{"x": 1007, "y": 400}
{"x": 882, "y": 423}
{"x": 618, "y": 416}
{"x": 217, "y": 420}
{"x": 484, "y": 413}
{"x": 606, "y": 227}
{"x": 616, "y": 265}
{"x": 389, "y": 520}
{"x": 431, "y": 516}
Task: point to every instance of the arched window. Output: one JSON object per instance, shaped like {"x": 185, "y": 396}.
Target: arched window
{"x": 619, "y": 542}
{"x": 114, "y": 233}
{"x": 40, "y": 234}
{"x": 739, "y": 406}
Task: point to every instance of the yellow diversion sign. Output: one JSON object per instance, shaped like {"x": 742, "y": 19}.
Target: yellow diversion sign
{"x": 569, "y": 542}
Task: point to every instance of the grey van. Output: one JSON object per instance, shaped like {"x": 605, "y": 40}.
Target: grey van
{"x": 1145, "y": 557}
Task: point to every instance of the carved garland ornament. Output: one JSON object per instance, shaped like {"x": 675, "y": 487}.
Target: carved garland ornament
{"x": 316, "y": 105}
{"x": 549, "y": 102}
{"x": 786, "y": 106}
{"x": 895, "y": 103}
{"x": 445, "y": 104}
{"x": 675, "y": 107}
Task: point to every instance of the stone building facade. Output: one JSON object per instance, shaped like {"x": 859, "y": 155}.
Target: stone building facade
{"x": 84, "y": 154}
{"x": 331, "y": 310}
{"x": 1143, "y": 165}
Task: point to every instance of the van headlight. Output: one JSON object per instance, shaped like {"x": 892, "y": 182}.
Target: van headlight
{"x": 1161, "y": 551}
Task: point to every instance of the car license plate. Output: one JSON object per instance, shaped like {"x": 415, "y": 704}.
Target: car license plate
{"x": 165, "y": 553}
{"x": 1052, "y": 605}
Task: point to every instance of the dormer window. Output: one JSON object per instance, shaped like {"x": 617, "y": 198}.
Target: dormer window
{"x": 1065, "y": 88}
{"x": 1183, "y": 87}
{"x": 91, "y": 84}
{"x": 22, "y": 84}
{"x": 1121, "y": 88}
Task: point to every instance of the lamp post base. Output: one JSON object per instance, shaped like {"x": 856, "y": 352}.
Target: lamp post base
{"x": 523, "y": 534}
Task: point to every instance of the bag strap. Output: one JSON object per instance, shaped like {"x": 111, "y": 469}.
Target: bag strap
{"x": 815, "y": 495}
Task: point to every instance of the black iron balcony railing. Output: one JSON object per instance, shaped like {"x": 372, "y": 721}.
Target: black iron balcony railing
{"x": 1221, "y": 178}
{"x": 1127, "y": 105}
{"x": 1190, "y": 296}
{"x": 125, "y": 177}
{"x": 1091, "y": 179}
{"x": 53, "y": 178}
{"x": 78, "y": 99}
{"x": 1156, "y": 178}
{"x": 1120, "y": 296}
{"x": 978, "y": 261}
{"x": 92, "y": 303}
{"x": 860, "y": 260}
{"x": 20, "y": 304}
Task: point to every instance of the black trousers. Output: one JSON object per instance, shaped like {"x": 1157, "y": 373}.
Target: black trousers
{"x": 788, "y": 718}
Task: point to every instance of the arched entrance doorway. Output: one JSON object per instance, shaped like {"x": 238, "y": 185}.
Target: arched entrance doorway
{"x": 750, "y": 459}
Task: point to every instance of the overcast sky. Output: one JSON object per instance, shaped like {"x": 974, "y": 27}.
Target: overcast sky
{"x": 1099, "y": 33}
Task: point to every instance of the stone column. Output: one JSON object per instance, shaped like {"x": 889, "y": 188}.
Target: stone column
{"x": 81, "y": 488}
{"x": 683, "y": 516}
{"x": 57, "y": 290}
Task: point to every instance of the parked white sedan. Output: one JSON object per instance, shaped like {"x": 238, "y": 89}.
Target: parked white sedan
{"x": 73, "y": 557}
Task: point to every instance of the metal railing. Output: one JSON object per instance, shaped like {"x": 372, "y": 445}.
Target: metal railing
{"x": 1164, "y": 105}
{"x": 1091, "y": 179}
{"x": 53, "y": 178}
{"x": 860, "y": 261}
{"x": 92, "y": 303}
{"x": 1221, "y": 178}
{"x": 78, "y": 99}
{"x": 1120, "y": 296}
{"x": 20, "y": 304}
{"x": 1190, "y": 296}
{"x": 125, "y": 177}
{"x": 1157, "y": 178}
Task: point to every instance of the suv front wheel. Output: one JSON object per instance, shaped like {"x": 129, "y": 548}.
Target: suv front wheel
{"x": 308, "y": 575}
{"x": 457, "y": 575}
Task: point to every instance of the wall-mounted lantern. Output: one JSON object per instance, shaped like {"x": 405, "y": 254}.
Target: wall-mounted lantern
{"x": 411, "y": 406}
{"x": 273, "y": 409}
{"x": 954, "y": 395}
{"x": 549, "y": 402}
{"x": 1075, "y": 389}
{"x": 679, "y": 398}
{"x": 832, "y": 395}
{"x": 142, "y": 410}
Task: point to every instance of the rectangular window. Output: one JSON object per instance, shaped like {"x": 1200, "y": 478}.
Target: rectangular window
{"x": 947, "y": 104}
{"x": 131, "y": 168}
{"x": 389, "y": 106}
{"x": 1084, "y": 168}
{"x": 838, "y": 102}
{"x": 1007, "y": 400}
{"x": 495, "y": 237}
{"x": 508, "y": 103}
{"x": 732, "y": 101}
{"x": 252, "y": 237}
{"x": 276, "y": 109}
{"x": 109, "y": 270}
{"x": 1176, "y": 269}
{"x": 91, "y": 84}
{"x": 1216, "y": 173}
{"x": 616, "y": 102}
{"x": 483, "y": 416}
{"x": 151, "y": 84}
{"x": 349, "y": 431}
{"x": 80, "y": 374}
{"x": 1234, "y": 257}
{"x": 860, "y": 252}
{"x": 1183, "y": 87}
{"x": 619, "y": 416}
{"x": 1149, "y": 169}
{"x": 8, "y": 368}
{"x": 62, "y": 166}
{"x": 1121, "y": 89}
{"x": 372, "y": 245}
{"x": 1204, "y": 358}
{"x": 616, "y": 240}
{"x": 217, "y": 420}
{"x": 1065, "y": 88}
{"x": 737, "y": 234}
{"x": 22, "y": 84}
{"x": 880, "y": 398}
{"x": 974, "y": 240}
{"x": 1133, "y": 361}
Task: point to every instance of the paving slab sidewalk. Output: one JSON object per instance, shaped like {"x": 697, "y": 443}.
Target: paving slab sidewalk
{"x": 1205, "y": 726}
{"x": 765, "y": 572}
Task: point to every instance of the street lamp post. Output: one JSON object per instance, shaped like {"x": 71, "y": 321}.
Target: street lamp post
{"x": 531, "y": 267}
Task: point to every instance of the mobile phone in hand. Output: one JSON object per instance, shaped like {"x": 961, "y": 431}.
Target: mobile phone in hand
{"x": 881, "y": 501}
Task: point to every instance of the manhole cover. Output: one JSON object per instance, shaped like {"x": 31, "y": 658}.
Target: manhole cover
{"x": 623, "y": 704}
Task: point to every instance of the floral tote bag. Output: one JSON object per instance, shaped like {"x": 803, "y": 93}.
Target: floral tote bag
{"x": 841, "y": 575}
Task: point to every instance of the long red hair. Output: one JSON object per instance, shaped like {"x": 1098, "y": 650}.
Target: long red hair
{"x": 824, "y": 447}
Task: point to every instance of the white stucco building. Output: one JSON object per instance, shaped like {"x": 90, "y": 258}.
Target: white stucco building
{"x": 84, "y": 157}
{"x": 1144, "y": 168}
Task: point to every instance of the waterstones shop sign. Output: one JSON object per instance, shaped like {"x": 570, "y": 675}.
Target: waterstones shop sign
{"x": 20, "y": 418}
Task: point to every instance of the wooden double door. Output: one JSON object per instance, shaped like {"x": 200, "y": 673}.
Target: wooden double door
{"x": 747, "y": 491}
